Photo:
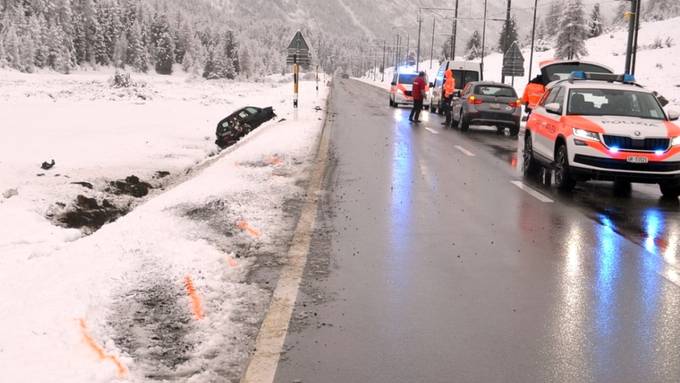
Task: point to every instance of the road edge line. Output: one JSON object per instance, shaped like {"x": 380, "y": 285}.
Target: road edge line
{"x": 269, "y": 343}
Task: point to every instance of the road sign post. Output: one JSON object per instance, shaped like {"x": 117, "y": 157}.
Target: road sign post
{"x": 298, "y": 55}
{"x": 513, "y": 62}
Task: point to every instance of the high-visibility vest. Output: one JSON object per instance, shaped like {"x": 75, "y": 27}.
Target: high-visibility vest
{"x": 533, "y": 94}
{"x": 449, "y": 84}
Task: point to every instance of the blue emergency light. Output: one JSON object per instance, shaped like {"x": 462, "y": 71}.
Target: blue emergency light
{"x": 628, "y": 78}
{"x": 609, "y": 77}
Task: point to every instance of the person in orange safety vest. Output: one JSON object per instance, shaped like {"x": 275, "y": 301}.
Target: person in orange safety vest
{"x": 533, "y": 93}
{"x": 448, "y": 89}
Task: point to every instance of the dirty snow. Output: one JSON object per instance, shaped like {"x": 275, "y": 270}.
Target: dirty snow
{"x": 224, "y": 226}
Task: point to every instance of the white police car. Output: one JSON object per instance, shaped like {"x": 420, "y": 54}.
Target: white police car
{"x": 605, "y": 127}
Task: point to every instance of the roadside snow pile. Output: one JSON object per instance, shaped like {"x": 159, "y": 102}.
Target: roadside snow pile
{"x": 173, "y": 291}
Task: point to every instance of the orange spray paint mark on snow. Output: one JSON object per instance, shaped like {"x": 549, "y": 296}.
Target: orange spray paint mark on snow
{"x": 121, "y": 370}
{"x": 243, "y": 225}
{"x": 196, "y": 306}
{"x": 232, "y": 262}
{"x": 274, "y": 160}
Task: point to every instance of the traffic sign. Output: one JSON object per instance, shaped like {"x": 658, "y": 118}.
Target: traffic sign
{"x": 298, "y": 51}
{"x": 513, "y": 61}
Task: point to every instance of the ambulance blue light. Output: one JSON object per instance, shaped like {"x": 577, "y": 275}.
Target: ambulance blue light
{"x": 614, "y": 149}
{"x": 578, "y": 75}
{"x": 659, "y": 152}
{"x": 628, "y": 78}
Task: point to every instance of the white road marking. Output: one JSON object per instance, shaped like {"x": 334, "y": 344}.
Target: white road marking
{"x": 532, "y": 192}
{"x": 464, "y": 151}
{"x": 432, "y": 131}
{"x": 269, "y": 343}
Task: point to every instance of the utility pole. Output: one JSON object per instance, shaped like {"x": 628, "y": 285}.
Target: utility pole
{"x": 396, "y": 55}
{"x": 637, "y": 32}
{"x": 483, "y": 41}
{"x": 533, "y": 39}
{"x": 434, "y": 23}
{"x": 420, "y": 26}
{"x": 632, "y": 17}
{"x": 451, "y": 41}
{"x": 382, "y": 79}
{"x": 507, "y": 24}
{"x": 454, "y": 35}
{"x": 408, "y": 44}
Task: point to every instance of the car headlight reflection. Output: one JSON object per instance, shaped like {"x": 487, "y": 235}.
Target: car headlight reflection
{"x": 586, "y": 134}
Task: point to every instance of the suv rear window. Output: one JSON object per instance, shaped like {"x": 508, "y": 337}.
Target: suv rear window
{"x": 407, "y": 78}
{"x": 495, "y": 91}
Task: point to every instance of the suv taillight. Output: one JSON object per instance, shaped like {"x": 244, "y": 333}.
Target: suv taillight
{"x": 516, "y": 104}
{"x": 474, "y": 100}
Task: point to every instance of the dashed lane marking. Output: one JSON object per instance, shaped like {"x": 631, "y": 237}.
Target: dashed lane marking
{"x": 539, "y": 196}
{"x": 464, "y": 151}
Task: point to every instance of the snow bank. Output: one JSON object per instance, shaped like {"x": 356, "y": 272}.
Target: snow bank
{"x": 117, "y": 305}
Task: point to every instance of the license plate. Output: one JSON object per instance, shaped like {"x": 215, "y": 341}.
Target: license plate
{"x": 637, "y": 160}
{"x": 494, "y": 106}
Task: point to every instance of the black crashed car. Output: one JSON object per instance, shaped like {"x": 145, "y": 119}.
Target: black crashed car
{"x": 240, "y": 123}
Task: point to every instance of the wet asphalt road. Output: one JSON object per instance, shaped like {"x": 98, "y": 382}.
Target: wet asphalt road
{"x": 435, "y": 267}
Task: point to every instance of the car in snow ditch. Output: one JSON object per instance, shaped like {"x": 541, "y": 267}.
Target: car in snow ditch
{"x": 241, "y": 122}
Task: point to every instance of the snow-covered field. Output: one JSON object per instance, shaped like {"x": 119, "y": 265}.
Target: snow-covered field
{"x": 161, "y": 293}
{"x": 658, "y": 69}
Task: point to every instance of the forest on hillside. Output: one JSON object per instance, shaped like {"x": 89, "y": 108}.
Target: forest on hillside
{"x": 218, "y": 39}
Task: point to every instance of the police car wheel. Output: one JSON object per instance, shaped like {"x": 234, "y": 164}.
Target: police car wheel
{"x": 563, "y": 179}
{"x": 670, "y": 189}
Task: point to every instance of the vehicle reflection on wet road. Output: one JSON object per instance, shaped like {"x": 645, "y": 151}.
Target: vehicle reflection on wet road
{"x": 442, "y": 270}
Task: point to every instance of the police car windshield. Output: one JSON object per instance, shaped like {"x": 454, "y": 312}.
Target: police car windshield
{"x": 614, "y": 102}
{"x": 407, "y": 78}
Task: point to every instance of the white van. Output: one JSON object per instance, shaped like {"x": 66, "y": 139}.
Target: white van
{"x": 463, "y": 71}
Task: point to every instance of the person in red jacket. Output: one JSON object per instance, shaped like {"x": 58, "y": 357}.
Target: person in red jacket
{"x": 418, "y": 93}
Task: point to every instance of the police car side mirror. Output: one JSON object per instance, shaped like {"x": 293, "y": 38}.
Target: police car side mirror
{"x": 554, "y": 108}
{"x": 673, "y": 115}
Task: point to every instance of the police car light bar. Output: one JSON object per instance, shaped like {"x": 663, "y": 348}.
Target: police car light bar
{"x": 609, "y": 77}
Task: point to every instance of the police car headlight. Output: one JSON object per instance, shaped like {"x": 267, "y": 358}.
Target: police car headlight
{"x": 675, "y": 141}
{"x": 588, "y": 135}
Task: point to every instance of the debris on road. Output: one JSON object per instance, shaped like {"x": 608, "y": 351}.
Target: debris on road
{"x": 9, "y": 193}
{"x": 86, "y": 185}
{"x": 47, "y": 165}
